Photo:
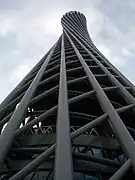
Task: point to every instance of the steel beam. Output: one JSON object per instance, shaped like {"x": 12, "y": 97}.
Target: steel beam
{"x": 63, "y": 158}
{"x": 118, "y": 175}
{"x": 17, "y": 117}
{"x": 41, "y": 158}
{"x": 119, "y": 128}
{"x": 125, "y": 93}
{"x": 13, "y": 93}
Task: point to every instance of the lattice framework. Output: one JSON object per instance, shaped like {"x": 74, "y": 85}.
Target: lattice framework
{"x": 72, "y": 115}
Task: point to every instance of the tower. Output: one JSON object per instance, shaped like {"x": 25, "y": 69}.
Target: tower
{"x": 71, "y": 117}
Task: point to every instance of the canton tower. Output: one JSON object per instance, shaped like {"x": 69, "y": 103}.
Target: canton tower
{"x": 72, "y": 117}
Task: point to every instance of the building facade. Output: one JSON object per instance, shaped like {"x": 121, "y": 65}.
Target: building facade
{"x": 71, "y": 117}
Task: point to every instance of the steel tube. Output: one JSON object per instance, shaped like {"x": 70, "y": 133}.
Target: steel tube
{"x": 13, "y": 93}
{"x": 128, "y": 97}
{"x": 8, "y": 133}
{"x": 52, "y": 110}
{"x": 118, "y": 175}
{"x": 104, "y": 161}
{"x": 119, "y": 128}
{"x": 41, "y": 158}
{"x": 63, "y": 158}
{"x": 46, "y": 114}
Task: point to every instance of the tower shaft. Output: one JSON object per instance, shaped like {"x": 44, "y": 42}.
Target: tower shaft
{"x": 71, "y": 117}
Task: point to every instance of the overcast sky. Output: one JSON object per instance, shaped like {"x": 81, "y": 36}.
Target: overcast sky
{"x": 28, "y": 28}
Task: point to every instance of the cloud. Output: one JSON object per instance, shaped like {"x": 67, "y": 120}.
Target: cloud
{"x": 25, "y": 36}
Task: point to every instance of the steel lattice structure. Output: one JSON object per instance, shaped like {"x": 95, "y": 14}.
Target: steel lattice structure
{"x": 71, "y": 117}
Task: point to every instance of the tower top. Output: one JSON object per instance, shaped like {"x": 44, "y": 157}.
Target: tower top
{"x": 74, "y": 16}
{"x": 74, "y": 13}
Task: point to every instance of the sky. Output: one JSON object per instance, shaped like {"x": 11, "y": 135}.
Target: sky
{"x": 29, "y": 28}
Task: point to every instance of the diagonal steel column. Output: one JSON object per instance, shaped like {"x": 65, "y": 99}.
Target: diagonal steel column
{"x": 63, "y": 154}
{"x": 122, "y": 171}
{"x": 52, "y": 110}
{"x": 9, "y": 98}
{"x": 128, "y": 97}
{"x": 41, "y": 158}
{"x": 119, "y": 128}
{"x": 7, "y": 136}
{"x": 72, "y": 30}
